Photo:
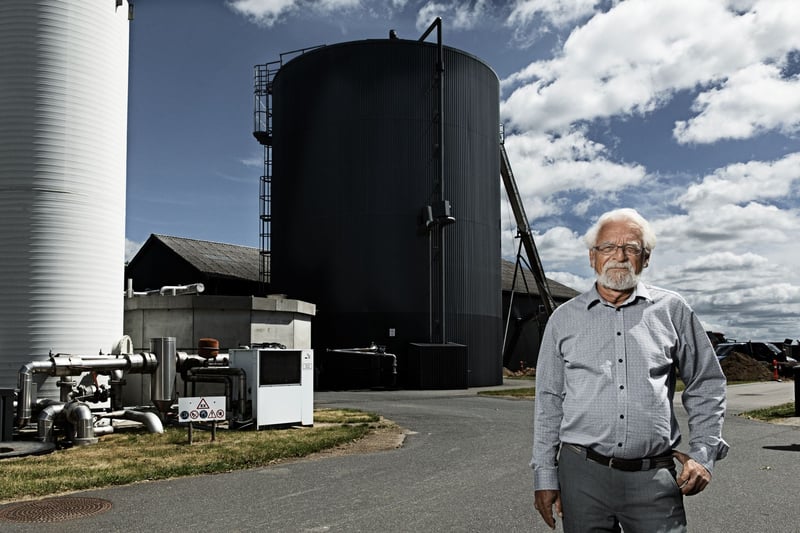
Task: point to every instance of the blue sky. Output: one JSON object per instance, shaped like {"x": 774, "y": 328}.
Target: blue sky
{"x": 687, "y": 110}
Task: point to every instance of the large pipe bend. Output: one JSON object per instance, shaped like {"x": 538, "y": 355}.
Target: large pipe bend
{"x": 150, "y": 420}
{"x": 25, "y": 385}
{"x": 80, "y": 416}
{"x": 46, "y": 421}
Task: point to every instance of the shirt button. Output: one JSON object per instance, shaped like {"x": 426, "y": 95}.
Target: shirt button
{"x": 621, "y": 387}
{"x": 619, "y": 445}
{"x": 619, "y": 333}
{"x": 622, "y": 416}
{"x": 620, "y": 360}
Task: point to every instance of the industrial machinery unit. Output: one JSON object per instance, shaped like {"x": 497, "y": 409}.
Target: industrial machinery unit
{"x": 280, "y": 384}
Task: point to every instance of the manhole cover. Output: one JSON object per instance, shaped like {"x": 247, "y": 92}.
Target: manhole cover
{"x": 54, "y": 509}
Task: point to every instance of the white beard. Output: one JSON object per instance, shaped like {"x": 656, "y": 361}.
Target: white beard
{"x": 618, "y": 281}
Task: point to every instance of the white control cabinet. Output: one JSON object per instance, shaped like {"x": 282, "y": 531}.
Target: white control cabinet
{"x": 280, "y": 384}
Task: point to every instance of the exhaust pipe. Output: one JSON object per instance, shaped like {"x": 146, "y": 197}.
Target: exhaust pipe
{"x": 162, "y": 387}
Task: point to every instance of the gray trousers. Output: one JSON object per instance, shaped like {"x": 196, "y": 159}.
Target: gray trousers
{"x": 596, "y": 498}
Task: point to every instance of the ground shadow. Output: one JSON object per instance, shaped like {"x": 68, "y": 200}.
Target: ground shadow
{"x": 788, "y": 448}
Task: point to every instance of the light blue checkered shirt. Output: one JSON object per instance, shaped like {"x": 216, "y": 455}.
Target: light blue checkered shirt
{"x": 604, "y": 380}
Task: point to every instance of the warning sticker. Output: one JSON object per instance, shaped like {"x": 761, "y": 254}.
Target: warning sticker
{"x": 201, "y": 409}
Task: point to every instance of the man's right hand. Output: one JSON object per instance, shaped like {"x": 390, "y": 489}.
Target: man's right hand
{"x": 543, "y": 502}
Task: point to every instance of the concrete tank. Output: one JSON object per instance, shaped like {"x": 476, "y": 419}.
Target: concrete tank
{"x": 63, "y": 136}
{"x": 355, "y": 161}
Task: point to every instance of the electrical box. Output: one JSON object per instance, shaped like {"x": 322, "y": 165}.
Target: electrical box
{"x": 280, "y": 384}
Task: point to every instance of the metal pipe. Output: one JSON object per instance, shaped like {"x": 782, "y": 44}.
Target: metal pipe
{"x": 162, "y": 386}
{"x": 69, "y": 365}
{"x": 442, "y": 273}
{"x": 394, "y": 367}
{"x": 440, "y": 227}
{"x": 194, "y": 288}
{"x": 227, "y": 380}
{"x": 103, "y": 430}
{"x": 46, "y": 421}
{"x": 187, "y": 361}
{"x": 150, "y": 420}
{"x": 227, "y": 371}
{"x": 193, "y": 378}
{"x": 375, "y": 351}
{"x": 80, "y": 416}
{"x": 25, "y": 385}
{"x": 116, "y": 382}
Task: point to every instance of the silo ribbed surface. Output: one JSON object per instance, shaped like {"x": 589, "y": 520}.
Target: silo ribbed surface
{"x": 63, "y": 136}
{"x": 354, "y": 163}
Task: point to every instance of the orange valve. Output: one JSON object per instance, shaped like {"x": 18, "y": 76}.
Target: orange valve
{"x": 208, "y": 348}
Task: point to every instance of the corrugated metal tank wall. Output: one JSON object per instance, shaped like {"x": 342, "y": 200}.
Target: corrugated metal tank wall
{"x": 354, "y": 163}
{"x": 63, "y": 136}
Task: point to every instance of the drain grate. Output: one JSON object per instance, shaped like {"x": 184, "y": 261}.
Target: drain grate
{"x": 54, "y": 509}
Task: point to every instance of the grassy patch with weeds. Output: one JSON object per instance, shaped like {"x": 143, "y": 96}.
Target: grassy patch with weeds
{"x": 530, "y": 392}
{"x": 768, "y": 414}
{"x": 521, "y": 393}
{"x": 129, "y": 456}
{"x": 344, "y": 416}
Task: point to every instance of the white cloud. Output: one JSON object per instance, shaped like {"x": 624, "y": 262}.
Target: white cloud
{"x": 131, "y": 249}
{"x": 263, "y": 12}
{"x": 753, "y": 100}
{"x": 728, "y": 227}
{"x": 578, "y": 283}
{"x": 562, "y": 246}
{"x": 546, "y": 164}
{"x": 459, "y": 15}
{"x": 256, "y": 161}
{"x": 744, "y": 182}
{"x": 633, "y": 58}
{"x": 727, "y": 261}
{"x": 559, "y": 13}
{"x": 270, "y": 12}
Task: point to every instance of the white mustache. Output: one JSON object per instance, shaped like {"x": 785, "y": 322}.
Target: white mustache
{"x": 617, "y": 264}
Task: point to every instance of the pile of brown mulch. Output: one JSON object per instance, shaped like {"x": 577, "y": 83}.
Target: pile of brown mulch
{"x": 528, "y": 371}
{"x": 736, "y": 367}
{"x": 741, "y": 367}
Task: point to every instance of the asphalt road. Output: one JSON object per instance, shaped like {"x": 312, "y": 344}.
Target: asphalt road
{"x": 463, "y": 469}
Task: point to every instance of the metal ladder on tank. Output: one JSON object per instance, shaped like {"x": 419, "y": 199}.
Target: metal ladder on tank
{"x": 263, "y": 76}
{"x": 262, "y": 131}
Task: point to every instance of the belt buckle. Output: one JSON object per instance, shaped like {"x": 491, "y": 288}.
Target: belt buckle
{"x": 611, "y": 462}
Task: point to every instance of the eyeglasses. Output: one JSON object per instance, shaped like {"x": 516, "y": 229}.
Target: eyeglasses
{"x": 630, "y": 250}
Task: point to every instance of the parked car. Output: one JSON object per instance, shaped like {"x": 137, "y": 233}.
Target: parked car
{"x": 765, "y": 352}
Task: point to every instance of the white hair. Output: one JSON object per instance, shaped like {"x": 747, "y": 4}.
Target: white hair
{"x": 622, "y": 215}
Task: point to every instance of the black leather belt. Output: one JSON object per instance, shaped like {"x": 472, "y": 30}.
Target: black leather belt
{"x": 629, "y": 465}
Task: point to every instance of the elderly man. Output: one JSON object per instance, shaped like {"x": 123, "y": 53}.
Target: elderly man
{"x": 604, "y": 429}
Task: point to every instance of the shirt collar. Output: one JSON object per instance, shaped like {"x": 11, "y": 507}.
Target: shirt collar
{"x": 592, "y": 297}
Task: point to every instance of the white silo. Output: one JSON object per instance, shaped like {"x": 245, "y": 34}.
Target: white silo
{"x": 63, "y": 136}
